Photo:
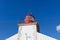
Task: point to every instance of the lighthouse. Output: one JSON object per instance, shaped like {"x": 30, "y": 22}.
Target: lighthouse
{"x": 29, "y": 30}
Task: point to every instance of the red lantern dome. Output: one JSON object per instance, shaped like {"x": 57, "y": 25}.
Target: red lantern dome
{"x": 29, "y": 18}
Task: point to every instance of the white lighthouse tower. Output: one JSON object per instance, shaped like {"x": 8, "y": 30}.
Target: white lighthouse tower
{"x": 29, "y": 30}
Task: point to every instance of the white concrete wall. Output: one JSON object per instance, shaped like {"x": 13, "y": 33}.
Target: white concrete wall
{"x": 28, "y": 32}
{"x": 14, "y": 37}
{"x": 44, "y": 37}
{"x": 39, "y": 37}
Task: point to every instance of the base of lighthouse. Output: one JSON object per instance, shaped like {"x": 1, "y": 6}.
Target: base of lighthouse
{"x": 29, "y": 32}
{"x": 40, "y": 36}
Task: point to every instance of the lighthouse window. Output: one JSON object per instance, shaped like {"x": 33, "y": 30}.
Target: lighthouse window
{"x": 28, "y": 18}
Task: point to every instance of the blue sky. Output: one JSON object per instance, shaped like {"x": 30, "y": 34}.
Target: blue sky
{"x": 47, "y": 12}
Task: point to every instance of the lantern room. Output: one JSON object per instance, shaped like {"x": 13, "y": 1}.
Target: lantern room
{"x": 29, "y": 18}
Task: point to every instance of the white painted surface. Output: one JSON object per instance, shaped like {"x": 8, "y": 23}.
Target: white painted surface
{"x": 28, "y": 32}
{"x": 14, "y": 37}
{"x": 44, "y": 37}
{"x": 39, "y": 37}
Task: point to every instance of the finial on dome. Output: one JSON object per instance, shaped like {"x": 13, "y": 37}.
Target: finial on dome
{"x": 29, "y": 14}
